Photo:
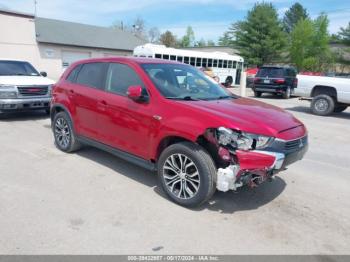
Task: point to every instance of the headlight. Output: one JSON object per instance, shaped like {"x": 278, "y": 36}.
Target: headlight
{"x": 242, "y": 140}
{"x": 7, "y": 91}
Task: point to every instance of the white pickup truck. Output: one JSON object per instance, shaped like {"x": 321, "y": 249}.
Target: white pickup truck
{"x": 23, "y": 88}
{"x": 327, "y": 94}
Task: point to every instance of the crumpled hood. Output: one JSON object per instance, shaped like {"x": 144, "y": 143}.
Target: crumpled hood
{"x": 248, "y": 115}
{"x": 25, "y": 80}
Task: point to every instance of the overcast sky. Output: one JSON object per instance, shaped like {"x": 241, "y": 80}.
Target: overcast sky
{"x": 209, "y": 18}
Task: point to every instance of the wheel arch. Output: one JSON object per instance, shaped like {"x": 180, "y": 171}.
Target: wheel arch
{"x": 55, "y": 109}
{"x": 324, "y": 90}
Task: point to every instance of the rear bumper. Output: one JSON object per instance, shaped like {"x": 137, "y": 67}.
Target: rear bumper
{"x": 22, "y": 104}
{"x": 270, "y": 88}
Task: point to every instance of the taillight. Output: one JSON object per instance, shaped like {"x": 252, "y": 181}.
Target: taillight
{"x": 279, "y": 81}
{"x": 295, "y": 81}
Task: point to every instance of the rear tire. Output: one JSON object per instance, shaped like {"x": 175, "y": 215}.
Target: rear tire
{"x": 65, "y": 138}
{"x": 187, "y": 174}
{"x": 257, "y": 94}
{"x": 340, "y": 109}
{"x": 286, "y": 94}
{"x": 322, "y": 105}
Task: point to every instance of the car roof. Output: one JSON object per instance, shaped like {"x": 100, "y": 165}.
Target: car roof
{"x": 137, "y": 60}
{"x": 12, "y": 59}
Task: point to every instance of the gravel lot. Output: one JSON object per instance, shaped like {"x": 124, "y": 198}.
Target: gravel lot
{"x": 93, "y": 203}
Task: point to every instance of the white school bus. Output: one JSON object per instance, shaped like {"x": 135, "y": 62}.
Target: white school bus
{"x": 227, "y": 67}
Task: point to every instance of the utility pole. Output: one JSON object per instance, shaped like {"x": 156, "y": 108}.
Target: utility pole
{"x": 35, "y": 3}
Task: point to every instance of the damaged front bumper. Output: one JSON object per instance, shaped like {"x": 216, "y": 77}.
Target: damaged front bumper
{"x": 255, "y": 166}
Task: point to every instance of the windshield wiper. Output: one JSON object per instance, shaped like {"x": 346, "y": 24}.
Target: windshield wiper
{"x": 225, "y": 97}
{"x": 187, "y": 98}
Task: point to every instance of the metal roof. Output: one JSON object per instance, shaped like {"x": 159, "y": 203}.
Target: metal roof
{"x": 82, "y": 35}
{"x": 15, "y": 13}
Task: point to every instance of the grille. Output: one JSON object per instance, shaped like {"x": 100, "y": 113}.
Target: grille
{"x": 295, "y": 144}
{"x": 33, "y": 90}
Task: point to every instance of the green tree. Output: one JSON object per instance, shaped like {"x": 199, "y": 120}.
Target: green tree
{"x": 226, "y": 39}
{"x": 293, "y": 15}
{"x": 168, "y": 39}
{"x": 321, "y": 50}
{"x": 201, "y": 43}
{"x": 260, "y": 38}
{"x": 344, "y": 34}
{"x": 210, "y": 43}
{"x": 309, "y": 49}
{"x": 188, "y": 39}
{"x": 301, "y": 43}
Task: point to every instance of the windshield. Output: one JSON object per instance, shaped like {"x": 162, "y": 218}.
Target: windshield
{"x": 184, "y": 82}
{"x": 270, "y": 72}
{"x": 10, "y": 68}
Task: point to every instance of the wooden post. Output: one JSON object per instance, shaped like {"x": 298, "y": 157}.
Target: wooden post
{"x": 243, "y": 84}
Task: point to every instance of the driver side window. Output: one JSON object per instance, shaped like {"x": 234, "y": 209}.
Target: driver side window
{"x": 120, "y": 77}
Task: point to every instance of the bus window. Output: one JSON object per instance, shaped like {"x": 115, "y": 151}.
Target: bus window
{"x": 234, "y": 64}
{"x": 199, "y": 62}
{"x": 210, "y": 62}
{"x": 186, "y": 60}
{"x": 229, "y": 64}
{"x": 179, "y": 59}
{"x": 215, "y": 64}
{"x": 225, "y": 64}
{"x": 193, "y": 61}
{"x": 204, "y": 62}
{"x": 173, "y": 57}
{"x": 220, "y": 64}
{"x": 158, "y": 56}
{"x": 166, "y": 57}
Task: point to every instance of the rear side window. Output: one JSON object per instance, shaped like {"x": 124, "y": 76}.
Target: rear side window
{"x": 270, "y": 72}
{"x": 93, "y": 75}
{"x": 120, "y": 77}
{"x": 73, "y": 74}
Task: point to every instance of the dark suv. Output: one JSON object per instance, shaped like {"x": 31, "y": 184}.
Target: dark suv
{"x": 275, "y": 80}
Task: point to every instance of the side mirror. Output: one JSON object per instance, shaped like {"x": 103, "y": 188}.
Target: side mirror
{"x": 44, "y": 74}
{"x": 135, "y": 94}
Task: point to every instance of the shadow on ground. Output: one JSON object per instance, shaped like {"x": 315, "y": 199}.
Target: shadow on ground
{"x": 229, "y": 202}
{"x": 23, "y": 116}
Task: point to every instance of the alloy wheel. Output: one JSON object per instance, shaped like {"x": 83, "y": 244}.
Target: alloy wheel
{"x": 62, "y": 132}
{"x": 181, "y": 176}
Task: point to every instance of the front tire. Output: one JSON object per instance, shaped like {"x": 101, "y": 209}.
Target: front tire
{"x": 187, "y": 174}
{"x": 65, "y": 138}
{"x": 322, "y": 105}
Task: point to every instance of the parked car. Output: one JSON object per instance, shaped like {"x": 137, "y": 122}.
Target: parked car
{"x": 327, "y": 94}
{"x": 23, "y": 88}
{"x": 168, "y": 116}
{"x": 275, "y": 80}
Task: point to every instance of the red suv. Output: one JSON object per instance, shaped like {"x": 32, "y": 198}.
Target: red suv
{"x": 171, "y": 118}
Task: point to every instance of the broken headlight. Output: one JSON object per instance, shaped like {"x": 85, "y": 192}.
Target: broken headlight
{"x": 242, "y": 140}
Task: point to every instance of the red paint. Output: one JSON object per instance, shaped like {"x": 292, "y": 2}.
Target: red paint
{"x": 134, "y": 92}
{"x": 139, "y": 128}
{"x": 250, "y": 160}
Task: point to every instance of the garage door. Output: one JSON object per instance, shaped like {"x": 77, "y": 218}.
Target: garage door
{"x": 69, "y": 57}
